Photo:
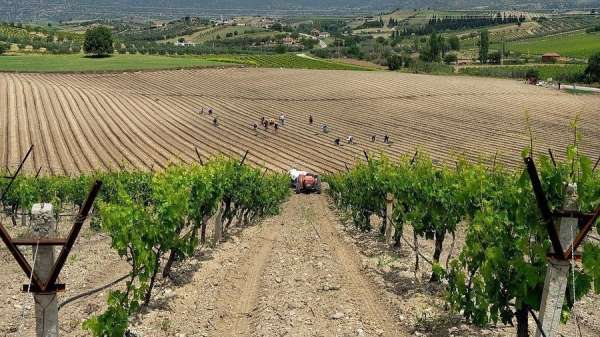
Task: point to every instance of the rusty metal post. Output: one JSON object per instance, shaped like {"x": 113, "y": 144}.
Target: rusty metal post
{"x": 46, "y": 304}
{"x": 557, "y": 273}
{"x": 389, "y": 213}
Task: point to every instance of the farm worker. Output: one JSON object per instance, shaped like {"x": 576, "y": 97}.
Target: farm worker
{"x": 310, "y": 119}
{"x": 324, "y": 128}
{"x": 210, "y": 111}
{"x": 266, "y": 125}
{"x": 276, "y": 126}
{"x": 202, "y": 111}
{"x": 215, "y": 121}
{"x": 386, "y": 139}
{"x": 262, "y": 120}
{"x": 295, "y": 174}
{"x": 282, "y": 119}
{"x": 255, "y": 126}
{"x": 337, "y": 141}
{"x": 350, "y": 140}
{"x": 559, "y": 85}
{"x": 373, "y": 139}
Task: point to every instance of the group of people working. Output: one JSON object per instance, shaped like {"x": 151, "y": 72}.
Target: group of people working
{"x": 276, "y": 124}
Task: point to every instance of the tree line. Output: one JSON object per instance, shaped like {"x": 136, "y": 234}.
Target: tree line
{"x": 446, "y": 23}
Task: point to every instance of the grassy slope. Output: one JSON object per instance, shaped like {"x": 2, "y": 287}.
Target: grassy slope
{"x": 78, "y": 63}
{"x": 287, "y": 61}
{"x": 555, "y": 71}
{"x": 580, "y": 45}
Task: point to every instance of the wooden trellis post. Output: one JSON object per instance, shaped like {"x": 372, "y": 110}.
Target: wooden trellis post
{"x": 389, "y": 212}
{"x": 46, "y": 305}
{"x": 567, "y": 234}
{"x": 557, "y": 273}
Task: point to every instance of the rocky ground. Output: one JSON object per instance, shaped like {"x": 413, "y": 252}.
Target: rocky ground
{"x": 301, "y": 273}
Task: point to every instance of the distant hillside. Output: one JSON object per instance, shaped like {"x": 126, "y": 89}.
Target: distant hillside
{"x": 16, "y": 10}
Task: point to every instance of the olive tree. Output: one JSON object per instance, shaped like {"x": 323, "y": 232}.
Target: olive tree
{"x": 98, "y": 42}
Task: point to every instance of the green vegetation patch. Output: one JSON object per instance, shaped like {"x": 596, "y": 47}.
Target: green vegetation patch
{"x": 126, "y": 62}
{"x": 286, "y": 61}
{"x": 579, "y": 45}
{"x": 568, "y": 72}
{"x": 79, "y": 63}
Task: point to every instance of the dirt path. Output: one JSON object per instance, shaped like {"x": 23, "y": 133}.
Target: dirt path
{"x": 292, "y": 275}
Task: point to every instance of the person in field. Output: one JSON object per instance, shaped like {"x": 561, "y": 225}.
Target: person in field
{"x": 210, "y": 112}
{"x": 215, "y": 121}
{"x": 373, "y": 138}
{"x": 350, "y": 140}
{"x": 262, "y": 120}
{"x": 266, "y": 125}
{"x": 324, "y": 128}
{"x": 202, "y": 111}
{"x": 255, "y": 127}
{"x": 276, "y": 126}
{"x": 337, "y": 141}
{"x": 386, "y": 139}
{"x": 282, "y": 119}
{"x": 310, "y": 120}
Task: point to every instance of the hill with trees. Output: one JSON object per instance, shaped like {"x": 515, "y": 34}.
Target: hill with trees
{"x": 13, "y": 10}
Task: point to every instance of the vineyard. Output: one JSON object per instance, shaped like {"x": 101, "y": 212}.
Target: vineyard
{"x": 289, "y": 61}
{"x": 579, "y": 44}
{"x": 498, "y": 274}
{"x": 194, "y": 231}
{"x": 567, "y": 73}
{"x": 152, "y": 216}
{"x": 545, "y": 28}
{"x": 81, "y": 123}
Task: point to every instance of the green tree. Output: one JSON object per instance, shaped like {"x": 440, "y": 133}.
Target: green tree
{"x": 484, "y": 46}
{"x": 3, "y": 48}
{"x": 98, "y": 42}
{"x": 434, "y": 49}
{"x": 277, "y": 27}
{"x": 394, "y": 62}
{"x": 454, "y": 43}
{"x": 592, "y": 72}
{"x": 281, "y": 49}
{"x": 450, "y": 58}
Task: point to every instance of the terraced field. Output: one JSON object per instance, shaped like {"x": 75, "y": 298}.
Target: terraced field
{"x": 145, "y": 120}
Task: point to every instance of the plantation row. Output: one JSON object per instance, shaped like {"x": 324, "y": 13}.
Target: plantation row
{"x": 286, "y": 61}
{"x": 148, "y": 215}
{"x": 546, "y": 27}
{"x": 499, "y": 273}
{"x": 566, "y": 73}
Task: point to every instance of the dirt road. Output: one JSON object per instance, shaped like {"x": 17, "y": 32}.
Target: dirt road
{"x": 292, "y": 275}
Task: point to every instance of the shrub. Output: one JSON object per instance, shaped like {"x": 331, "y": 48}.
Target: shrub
{"x": 495, "y": 58}
{"x": 532, "y": 74}
{"x": 592, "y": 72}
{"x": 3, "y": 48}
{"x": 394, "y": 62}
{"x": 450, "y": 58}
{"x": 98, "y": 42}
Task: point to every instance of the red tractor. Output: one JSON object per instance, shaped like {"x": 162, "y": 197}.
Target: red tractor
{"x": 304, "y": 182}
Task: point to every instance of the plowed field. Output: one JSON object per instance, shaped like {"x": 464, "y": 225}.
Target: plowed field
{"x": 145, "y": 120}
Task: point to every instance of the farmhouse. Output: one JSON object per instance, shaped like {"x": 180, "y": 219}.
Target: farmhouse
{"x": 289, "y": 41}
{"x": 550, "y": 58}
{"x": 324, "y": 35}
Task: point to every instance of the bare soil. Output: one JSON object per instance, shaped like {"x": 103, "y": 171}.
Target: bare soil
{"x": 84, "y": 122}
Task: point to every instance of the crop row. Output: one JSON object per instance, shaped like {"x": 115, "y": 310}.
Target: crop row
{"x": 498, "y": 275}
{"x": 150, "y": 215}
